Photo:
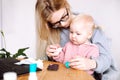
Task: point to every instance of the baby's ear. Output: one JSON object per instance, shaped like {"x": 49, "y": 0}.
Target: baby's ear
{"x": 89, "y": 35}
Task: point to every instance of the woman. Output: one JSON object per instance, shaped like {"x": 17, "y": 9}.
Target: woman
{"x": 53, "y": 20}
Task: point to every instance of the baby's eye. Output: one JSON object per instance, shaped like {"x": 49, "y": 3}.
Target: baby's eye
{"x": 78, "y": 34}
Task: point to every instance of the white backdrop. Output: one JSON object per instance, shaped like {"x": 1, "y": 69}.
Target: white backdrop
{"x": 0, "y": 23}
{"x": 19, "y": 22}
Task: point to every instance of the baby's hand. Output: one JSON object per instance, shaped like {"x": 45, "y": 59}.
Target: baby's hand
{"x": 58, "y": 50}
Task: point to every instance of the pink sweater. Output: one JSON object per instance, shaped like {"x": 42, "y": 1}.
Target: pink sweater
{"x": 84, "y": 50}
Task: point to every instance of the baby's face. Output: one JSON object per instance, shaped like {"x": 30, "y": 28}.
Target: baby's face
{"x": 78, "y": 33}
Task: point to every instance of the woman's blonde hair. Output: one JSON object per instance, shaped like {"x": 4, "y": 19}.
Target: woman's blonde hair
{"x": 45, "y": 34}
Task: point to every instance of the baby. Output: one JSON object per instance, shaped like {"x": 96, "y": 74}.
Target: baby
{"x": 81, "y": 30}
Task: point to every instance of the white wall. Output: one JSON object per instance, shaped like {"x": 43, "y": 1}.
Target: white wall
{"x": 107, "y": 14}
{"x": 0, "y": 23}
{"x": 19, "y": 25}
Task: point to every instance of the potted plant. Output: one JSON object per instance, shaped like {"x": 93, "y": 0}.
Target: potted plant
{"x": 6, "y": 54}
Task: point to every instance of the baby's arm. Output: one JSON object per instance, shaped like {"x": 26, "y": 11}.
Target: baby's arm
{"x": 59, "y": 55}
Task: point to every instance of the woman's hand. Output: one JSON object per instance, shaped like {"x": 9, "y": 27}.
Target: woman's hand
{"x": 51, "y": 49}
{"x": 81, "y": 63}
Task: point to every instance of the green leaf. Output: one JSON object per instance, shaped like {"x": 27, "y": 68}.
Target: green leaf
{"x": 20, "y": 52}
{"x": 7, "y": 54}
{"x": 2, "y": 55}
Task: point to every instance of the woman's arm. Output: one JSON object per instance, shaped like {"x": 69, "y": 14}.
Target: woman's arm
{"x": 104, "y": 60}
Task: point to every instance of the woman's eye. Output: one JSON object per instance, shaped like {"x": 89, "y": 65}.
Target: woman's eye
{"x": 64, "y": 18}
{"x": 71, "y": 32}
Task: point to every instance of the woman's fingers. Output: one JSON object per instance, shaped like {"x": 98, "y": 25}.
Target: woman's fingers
{"x": 51, "y": 49}
{"x": 82, "y": 63}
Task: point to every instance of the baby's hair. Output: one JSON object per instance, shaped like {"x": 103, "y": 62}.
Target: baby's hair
{"x": 86, "y": 19}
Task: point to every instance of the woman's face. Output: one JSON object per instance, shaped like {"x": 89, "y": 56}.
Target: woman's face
{"x": 60, "y": 18}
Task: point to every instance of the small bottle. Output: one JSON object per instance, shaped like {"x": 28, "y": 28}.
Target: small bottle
{"x": 67, "y": 64}
{"x": 32, "y": 73}
{"x": 10, "y": 76}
